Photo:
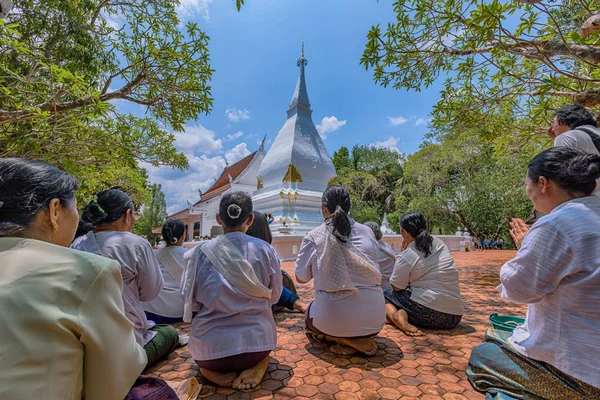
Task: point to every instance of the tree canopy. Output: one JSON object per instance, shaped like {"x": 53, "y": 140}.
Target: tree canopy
{"x": 154, "y": 214}
{"x": 520, "y": 59}
{"x": 64, "y": 64}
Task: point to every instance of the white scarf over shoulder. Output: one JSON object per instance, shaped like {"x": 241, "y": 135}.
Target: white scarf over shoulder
{"x": 230, "y": 262}
{"x": 334, "y": 259}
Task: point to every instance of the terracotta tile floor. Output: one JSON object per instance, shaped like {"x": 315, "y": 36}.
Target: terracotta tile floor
{"x": 430, "y": 367}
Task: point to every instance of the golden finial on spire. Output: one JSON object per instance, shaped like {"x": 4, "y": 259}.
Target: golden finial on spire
{"x": 302, "y": 50}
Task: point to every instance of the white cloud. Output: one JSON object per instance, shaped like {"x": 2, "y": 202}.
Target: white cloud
{"x": 389, "y": 143}
{"x": 233, "y": 136}
{"x": 234, "y": 115}
{"x": 199, "y": 139}
{"x": 329, "y": 124}
{"x": 398, "y": 120}
{"x": 237, "y": 153}
{"x": 187, "y": 9}
{"x": 180, "y": 186}
{"x": 421, "y": 121}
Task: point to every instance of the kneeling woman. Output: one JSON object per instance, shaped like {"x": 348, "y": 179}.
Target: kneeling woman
{"x": 425, "y": 290}
{"x": 113, "y": 217}
{"x": 167, "y": 308}
{"x": 556, "y": 272}
{"x": 232, "y": 282}
{"x": 341, "y": 256}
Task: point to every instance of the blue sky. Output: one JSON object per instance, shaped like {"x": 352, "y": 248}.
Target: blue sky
{"x": 254, "y": 55}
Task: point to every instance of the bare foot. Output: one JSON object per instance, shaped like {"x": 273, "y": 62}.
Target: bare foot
{"x": 342, "y": 350}
{"x": 400, "y": 319}
{"x": 223, "y": 379}
{"x": 250, "y": 378}
{"x": 300, "y": 306}
{"x": 365, "y": 345}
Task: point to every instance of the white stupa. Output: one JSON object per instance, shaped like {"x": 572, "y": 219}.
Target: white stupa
{"x": 296, "y": 169}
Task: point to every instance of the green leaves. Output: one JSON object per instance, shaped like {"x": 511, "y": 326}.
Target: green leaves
{"x": 496, "y": 56}
{"x": 64, "y": 64}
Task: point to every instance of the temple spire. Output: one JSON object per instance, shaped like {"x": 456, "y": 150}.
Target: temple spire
{"x": 300, "y": 98}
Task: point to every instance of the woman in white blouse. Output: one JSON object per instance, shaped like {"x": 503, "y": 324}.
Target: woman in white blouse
{"x": 64, "y": 333}
{"x": 232, "y": 281}
{"x": 556, "y": 272}
{"x": 426, "y": 292}
{"x": 387, "y": 258}
{"x": 167, "y": 308}
{"x": 112, "y": 214}
{"x": 341, "y": 256}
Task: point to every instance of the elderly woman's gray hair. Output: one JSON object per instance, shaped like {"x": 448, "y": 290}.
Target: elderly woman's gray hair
{"x": 376, "y": 229}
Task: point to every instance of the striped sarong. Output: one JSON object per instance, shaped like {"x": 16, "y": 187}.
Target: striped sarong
{"x": 502, "y": 373}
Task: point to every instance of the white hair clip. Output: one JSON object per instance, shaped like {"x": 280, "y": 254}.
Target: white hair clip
{"x": 234, "y": 211}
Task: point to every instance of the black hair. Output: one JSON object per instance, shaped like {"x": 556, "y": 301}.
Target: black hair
{"x": 337, "y": 200}
{"x": 416, "y": 226}
{"x": 28, "y": 186}
{"x": 376, "y": 229}
{"x": 83, "y": 228}
{"x": 235, "y": 208}
{"x": 575, "y": 115}
{"x": 172, "y": 231}
{"x": 574, "y": 170}
{"x": 260, "y": 228}
{"x": 109, "y": 206}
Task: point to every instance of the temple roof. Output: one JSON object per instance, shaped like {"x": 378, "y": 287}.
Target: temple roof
{"x": 298, "y": 154}
{"x": 222, "y": 184}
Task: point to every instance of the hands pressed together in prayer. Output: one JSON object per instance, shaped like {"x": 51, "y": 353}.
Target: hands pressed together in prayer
{"x": 518, "y": 230}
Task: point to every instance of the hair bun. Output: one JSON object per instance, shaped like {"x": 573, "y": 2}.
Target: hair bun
{"x": 585, "y": 167}
{"x": 234, "y": 211}
{"x": 95, "y": 214}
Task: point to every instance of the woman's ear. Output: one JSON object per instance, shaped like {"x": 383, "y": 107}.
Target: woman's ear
{"x": 250, "y": 220}
{"x": 219, "y": 220}
{"x": 544, "y": 183}
{"x": 54, "y": 211}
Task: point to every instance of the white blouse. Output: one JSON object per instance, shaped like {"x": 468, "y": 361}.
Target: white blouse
{"x": 433, "y": 280}
{"x": 230, "y": 322}
{"x": 361, "y": 314}
{"x": 387, "y": 260}
{"x": 557, "y": 274}
{"x": 142, "y": 280}
{"x": 169, "y": 302}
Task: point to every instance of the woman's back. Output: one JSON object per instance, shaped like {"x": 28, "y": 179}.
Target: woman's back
{"x": 142, "y": 279}
{"x": 63, "y": 309}
{"x": 360, "y": 314}
{"x": 169, "y": 302}
{"x": 230, "y": 321}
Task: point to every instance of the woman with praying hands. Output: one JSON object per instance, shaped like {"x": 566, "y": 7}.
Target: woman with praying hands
{"x": 556, "y": 272}
{"x": 425, "y": 290}
{"x": 112, "y": 214}
{"x": 342, "y": 257}
{"x": 232, "y": 281}
{"x": 63, "y": 330}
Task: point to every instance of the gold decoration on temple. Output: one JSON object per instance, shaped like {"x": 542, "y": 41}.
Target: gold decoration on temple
{"x": 295, "y": 196}
{"x": 259, "y": 183}
{"x": 289, "y": 197}
{"x": 282, "y": 196}
{"x": 292, "y": 174}
{"x": 332, "y": 181}
{"x": 295, "y": 219}
{"x": 281, "y": 220}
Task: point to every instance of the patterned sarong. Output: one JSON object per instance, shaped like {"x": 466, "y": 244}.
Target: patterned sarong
{"x": 499, "y": 371}
{"x": 163, "y": 343}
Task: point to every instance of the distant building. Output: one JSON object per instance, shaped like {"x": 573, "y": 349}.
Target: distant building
{"x": 287, "y": 181}
{"x": 200, "y": 217}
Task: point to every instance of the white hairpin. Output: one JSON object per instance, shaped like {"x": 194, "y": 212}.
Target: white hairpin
{"x": 237, "y": 211}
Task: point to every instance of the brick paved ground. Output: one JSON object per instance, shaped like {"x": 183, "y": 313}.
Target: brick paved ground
{"x": 430, "y": 367}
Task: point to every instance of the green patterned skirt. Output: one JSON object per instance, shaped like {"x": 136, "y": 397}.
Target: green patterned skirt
{"x": 502, "y": 373}
{"x": 163, "y": 343}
